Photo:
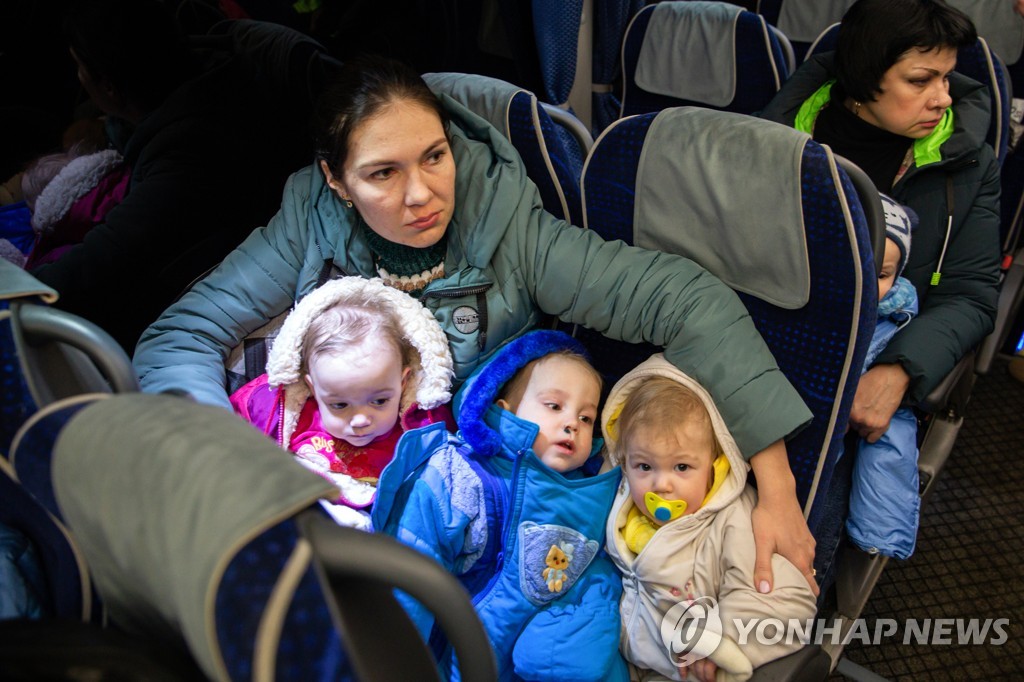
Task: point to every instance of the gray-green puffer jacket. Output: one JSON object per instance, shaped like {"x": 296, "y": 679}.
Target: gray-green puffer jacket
{"x": 958, "y": 312}
{"x": 507, "y": 261}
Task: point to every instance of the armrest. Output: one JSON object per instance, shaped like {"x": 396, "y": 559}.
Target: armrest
{"x": 362, "y": 571}
{"x": 1011, "y": 294}
{"x": 808, "y": 664}
{"x": 953, "y": 391}
{"x": 63, "y": 354}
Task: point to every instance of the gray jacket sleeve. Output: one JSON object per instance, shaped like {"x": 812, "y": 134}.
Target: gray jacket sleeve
{"x": 185, "y": 349}
{"x": 636, "y": 295}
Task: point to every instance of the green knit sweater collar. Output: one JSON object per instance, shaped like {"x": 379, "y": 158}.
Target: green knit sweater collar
{"x": 406, "y": 263}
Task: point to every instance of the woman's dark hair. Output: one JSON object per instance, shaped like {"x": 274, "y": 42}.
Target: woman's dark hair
{"x": 362, "y": 88}
{"x": 136, "y": 45}
{"x": 875, "y": 33}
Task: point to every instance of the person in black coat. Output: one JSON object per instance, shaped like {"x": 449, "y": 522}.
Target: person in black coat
{"x": 209, "y": 139}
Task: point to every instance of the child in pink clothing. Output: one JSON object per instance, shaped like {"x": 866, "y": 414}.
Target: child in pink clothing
{"x": 356, "y": 364}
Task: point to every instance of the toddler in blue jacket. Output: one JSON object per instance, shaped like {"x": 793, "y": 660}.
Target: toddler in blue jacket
{"x": 884, "y": 499}
{"x": 514, "y": 506}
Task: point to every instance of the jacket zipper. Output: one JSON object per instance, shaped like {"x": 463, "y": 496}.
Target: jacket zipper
{"x": 936, "y": 276}
{"x": 506, "y": 533}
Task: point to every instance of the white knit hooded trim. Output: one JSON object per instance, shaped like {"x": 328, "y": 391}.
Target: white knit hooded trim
{"x": 429, "y": 383}
{"x": 73, "y": 182}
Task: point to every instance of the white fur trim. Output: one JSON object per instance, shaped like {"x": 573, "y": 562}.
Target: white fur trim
{"x": 73, "y": 181}
{"x": 429, "y": 383}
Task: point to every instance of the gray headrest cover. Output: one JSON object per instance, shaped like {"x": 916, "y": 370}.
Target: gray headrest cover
{"x": 159, "y": 509}
{"x": 804, "y": 20}
{"x": 487, "y": 97}
{"x": 15, "y": 283}
{"x": 683, "y": 35}
{"x": 996, "y": 22}
{"x": 723, "y": 189}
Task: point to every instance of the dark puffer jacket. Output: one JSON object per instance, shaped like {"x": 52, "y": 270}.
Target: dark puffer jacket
{"x": 205, "y": 171}
{"x": 958, "y": 311}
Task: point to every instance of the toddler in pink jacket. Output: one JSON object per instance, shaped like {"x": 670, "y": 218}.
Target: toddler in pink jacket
{"x": 355, "y": 365}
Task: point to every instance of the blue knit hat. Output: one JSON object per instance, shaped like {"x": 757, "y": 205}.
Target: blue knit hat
{"x": 900, "y": 222}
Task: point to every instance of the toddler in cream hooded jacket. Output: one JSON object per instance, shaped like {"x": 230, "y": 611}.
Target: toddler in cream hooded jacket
{"x": 685, "y": 549}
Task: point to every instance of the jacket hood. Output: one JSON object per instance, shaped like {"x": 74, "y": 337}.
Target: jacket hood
{"x": 74, "y": 181}
{"x": 429, "y": 383}
{"x": 481, "y": 390}
{"x": 658, "y": 366}
{"x": 971, "y": 104}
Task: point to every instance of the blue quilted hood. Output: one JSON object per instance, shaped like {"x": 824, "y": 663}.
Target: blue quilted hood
{"x": 481, "y": 389}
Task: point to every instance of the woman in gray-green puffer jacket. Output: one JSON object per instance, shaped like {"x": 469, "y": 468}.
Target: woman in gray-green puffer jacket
{"x": 480, "y": 252}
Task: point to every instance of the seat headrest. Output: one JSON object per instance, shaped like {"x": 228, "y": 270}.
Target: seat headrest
{"x": 15, "y": 283}
{"x": 689, "y": 52}
{"x": 998, "y": 23}
{"x": 804, "y": 20}
{"x": 161, "y": 493}
{"x": 487, "y": 97}
{"x": 703, "y": 170}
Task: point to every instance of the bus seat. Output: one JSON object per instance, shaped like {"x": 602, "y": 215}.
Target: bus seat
{"x": 48, "y": 354}
{"x": 610, "y": 21}
{"x": 711, "y": 54}
{"x": 53, "y": 364}
{"x": 817, "y": 323}
{"x": 553, "y": 155}
{"x": 210, "y": 541}
{"x": 798, "y": 314}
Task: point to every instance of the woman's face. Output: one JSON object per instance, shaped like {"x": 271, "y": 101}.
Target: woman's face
{"x": 915, "y": 93}
{"x": 400, "y": 174}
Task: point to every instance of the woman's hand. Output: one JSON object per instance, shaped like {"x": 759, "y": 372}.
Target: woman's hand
{"x": 778, "y": 522}
{"x": 879, "y": 394}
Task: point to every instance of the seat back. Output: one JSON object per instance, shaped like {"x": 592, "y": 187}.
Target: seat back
{"x": 53, "y": 364}
{"x": 803, "y": 20}
{"x": 553, "y": 158}
{"x": 611, "y": 17}
{"x": 210, "y": 540}
{"x": 668, "y": 181}
{"x": 710, "y": 54}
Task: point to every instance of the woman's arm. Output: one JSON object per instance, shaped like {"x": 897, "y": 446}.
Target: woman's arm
{"x": 778, "y": 522}
{"x": 959, "y": 312}
{"x": 636, "y": 295}
{"x": 879, "y": 394}
{"x": 185, "y": 349}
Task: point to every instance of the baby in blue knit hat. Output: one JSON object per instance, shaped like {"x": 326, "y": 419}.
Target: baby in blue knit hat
{"x": 884, "y": 500}
{"x": 899, "y": 223}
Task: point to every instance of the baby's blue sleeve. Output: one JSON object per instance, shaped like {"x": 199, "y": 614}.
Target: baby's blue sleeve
{"x": 885, "y": 504}
{"x": 433, "y": 525}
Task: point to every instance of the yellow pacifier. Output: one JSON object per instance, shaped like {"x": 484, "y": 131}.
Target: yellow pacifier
{"x": 664, "y": 510}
